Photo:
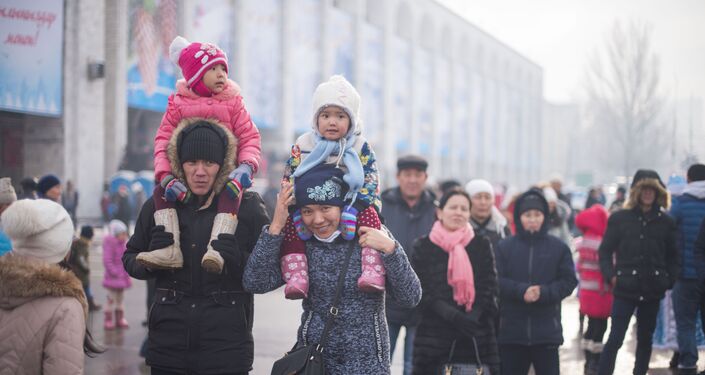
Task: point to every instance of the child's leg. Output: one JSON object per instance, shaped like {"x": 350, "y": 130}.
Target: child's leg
{"x": 169, "y": 257}
{"x": 372, "y": 277}
{"x": 109, "y": 323}
{"x": 294, "y": 265}
{"x": 225, "y": 222}
{"x": 120, "y": 320}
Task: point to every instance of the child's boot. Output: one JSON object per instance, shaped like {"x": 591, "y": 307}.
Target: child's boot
{"x": 295, "y": 272}
{"x": 372, "y": 278}
{"x": 108, "y": 325}
{"x": 120, "y": 320}
{"x": 169, "y": 257}
{"x": 224, "y": 223}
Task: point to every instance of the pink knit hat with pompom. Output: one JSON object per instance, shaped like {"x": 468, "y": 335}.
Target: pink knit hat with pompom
{"x": 195, "y": 59}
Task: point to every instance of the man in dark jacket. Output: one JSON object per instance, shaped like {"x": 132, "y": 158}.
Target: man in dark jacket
{"x": 641, "y": 238}
{"x": 536, "y": 273}
{"x": 200, "y": 322}
{"x": 409, "y": 212}
{"x": 688, "y": 211}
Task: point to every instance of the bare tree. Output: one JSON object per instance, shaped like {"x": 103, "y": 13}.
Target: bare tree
{"x": 624, "y": 100}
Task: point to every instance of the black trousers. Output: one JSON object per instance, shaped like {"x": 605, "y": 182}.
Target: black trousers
{"x": 516, "y": 359}
{"x": 596, "y": 329}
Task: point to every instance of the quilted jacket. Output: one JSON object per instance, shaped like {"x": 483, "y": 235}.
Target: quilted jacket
{"x": 42, "y": 318}
{"x": 227, "y": 107}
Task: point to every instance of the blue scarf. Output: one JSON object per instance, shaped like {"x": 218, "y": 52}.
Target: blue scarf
{"x": 355, "y": 177}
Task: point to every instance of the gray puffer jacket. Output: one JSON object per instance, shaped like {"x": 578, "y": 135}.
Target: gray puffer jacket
{"x": 359, "y": 339}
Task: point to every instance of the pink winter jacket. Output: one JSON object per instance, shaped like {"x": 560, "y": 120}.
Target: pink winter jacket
{"x": 115, "y": 276}
{"x": 227, "y": 107}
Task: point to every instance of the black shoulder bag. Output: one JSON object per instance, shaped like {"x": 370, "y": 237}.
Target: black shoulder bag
{"x": 476, "y": 368}
{"x": 308, "y": 360}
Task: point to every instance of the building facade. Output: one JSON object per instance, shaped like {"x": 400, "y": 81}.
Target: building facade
{"x": 431, "y": 83}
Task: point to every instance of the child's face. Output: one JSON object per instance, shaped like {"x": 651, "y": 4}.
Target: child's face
{"x": 215, "y": 78}
{"x": 333, "y": 123}
{"x": 122, "y": 236}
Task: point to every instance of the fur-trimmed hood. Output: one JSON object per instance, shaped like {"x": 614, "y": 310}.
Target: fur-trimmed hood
{"x": 663, "y": 198}
{"x": 230, "y": 153}
{"x": 25, "y": 279}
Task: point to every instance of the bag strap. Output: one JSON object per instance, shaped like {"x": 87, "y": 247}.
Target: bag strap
{"x": 477, "y": 352}
{"x": 333, "y": 311}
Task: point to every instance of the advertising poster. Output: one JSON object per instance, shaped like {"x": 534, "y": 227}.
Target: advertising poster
{"x": 31, "y": 60}
{"x": 211, "y": 21}
{"x": 151, "y": 76}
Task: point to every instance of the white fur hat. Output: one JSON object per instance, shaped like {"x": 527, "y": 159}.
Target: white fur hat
{"x": 38, "y": 228}
{"x": 116, "y": 227}
{"x": 550, "y": 194}
{"x": 7, "y": 192}
{"x": 339, "y": 92}
{"x": 479, "y": 186}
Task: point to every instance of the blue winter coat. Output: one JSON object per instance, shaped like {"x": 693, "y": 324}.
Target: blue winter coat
{"x": 688, "y": 211}
{"x": 533, "y": 259}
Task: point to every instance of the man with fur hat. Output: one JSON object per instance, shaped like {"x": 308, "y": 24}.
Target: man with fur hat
{"x": 43, "y": 308}
{"x": 642, "y": 241}
{"x": 7, "y": 197}
{"x": 200, "y": 322}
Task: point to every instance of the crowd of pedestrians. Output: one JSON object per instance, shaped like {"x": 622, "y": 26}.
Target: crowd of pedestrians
{"x": 474, "y": 282}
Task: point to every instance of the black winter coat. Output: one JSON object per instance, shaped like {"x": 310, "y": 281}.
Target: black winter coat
{"x": 406, "y": 224}
{"x": 533, "y": 259}
{"x": 199, "y": 321}
{"x": 644, "y": 248}
{"x": 434, "y": 335}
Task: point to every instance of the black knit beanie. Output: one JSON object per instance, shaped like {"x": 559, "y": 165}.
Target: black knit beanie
{"x": 87, "y": 232}
{"x": 531, "y": 202}
{"x": 202, "y": 140}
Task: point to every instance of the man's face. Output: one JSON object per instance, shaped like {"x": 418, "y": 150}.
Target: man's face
{"x": 411, "y": 182}
{"x": 54, "y": 193}
{"x": 557, "y": 186}
{"x": 481, "y": 206}
{"x": 200, "y": 175}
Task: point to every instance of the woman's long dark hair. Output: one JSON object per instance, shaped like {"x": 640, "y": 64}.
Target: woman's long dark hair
{"x": 90, "y": 347}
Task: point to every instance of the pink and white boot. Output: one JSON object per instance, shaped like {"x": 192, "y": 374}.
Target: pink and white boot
{"x": 372, "y": 278}
{"x": 295, "y": 273}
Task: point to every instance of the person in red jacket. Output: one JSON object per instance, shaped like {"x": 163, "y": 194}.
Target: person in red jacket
{"x": 595, "y": 294}
{"x": 204, "y": 93}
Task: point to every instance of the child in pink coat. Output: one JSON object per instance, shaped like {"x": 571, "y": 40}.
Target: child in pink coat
{"x": 115, "y": 278}
{"x": 205, "y": 92}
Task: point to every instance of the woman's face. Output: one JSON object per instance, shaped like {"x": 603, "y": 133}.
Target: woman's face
{"x": 481, "y": 206}
{"x": 321, "y": 220}
{"x": 456, "y": 213}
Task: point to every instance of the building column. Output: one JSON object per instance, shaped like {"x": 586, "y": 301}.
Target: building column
{"x": 116, "y": 39}
{"x": 84, "y": 115}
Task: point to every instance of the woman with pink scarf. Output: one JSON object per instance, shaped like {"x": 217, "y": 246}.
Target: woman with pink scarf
{"x": 459, "y": 282}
